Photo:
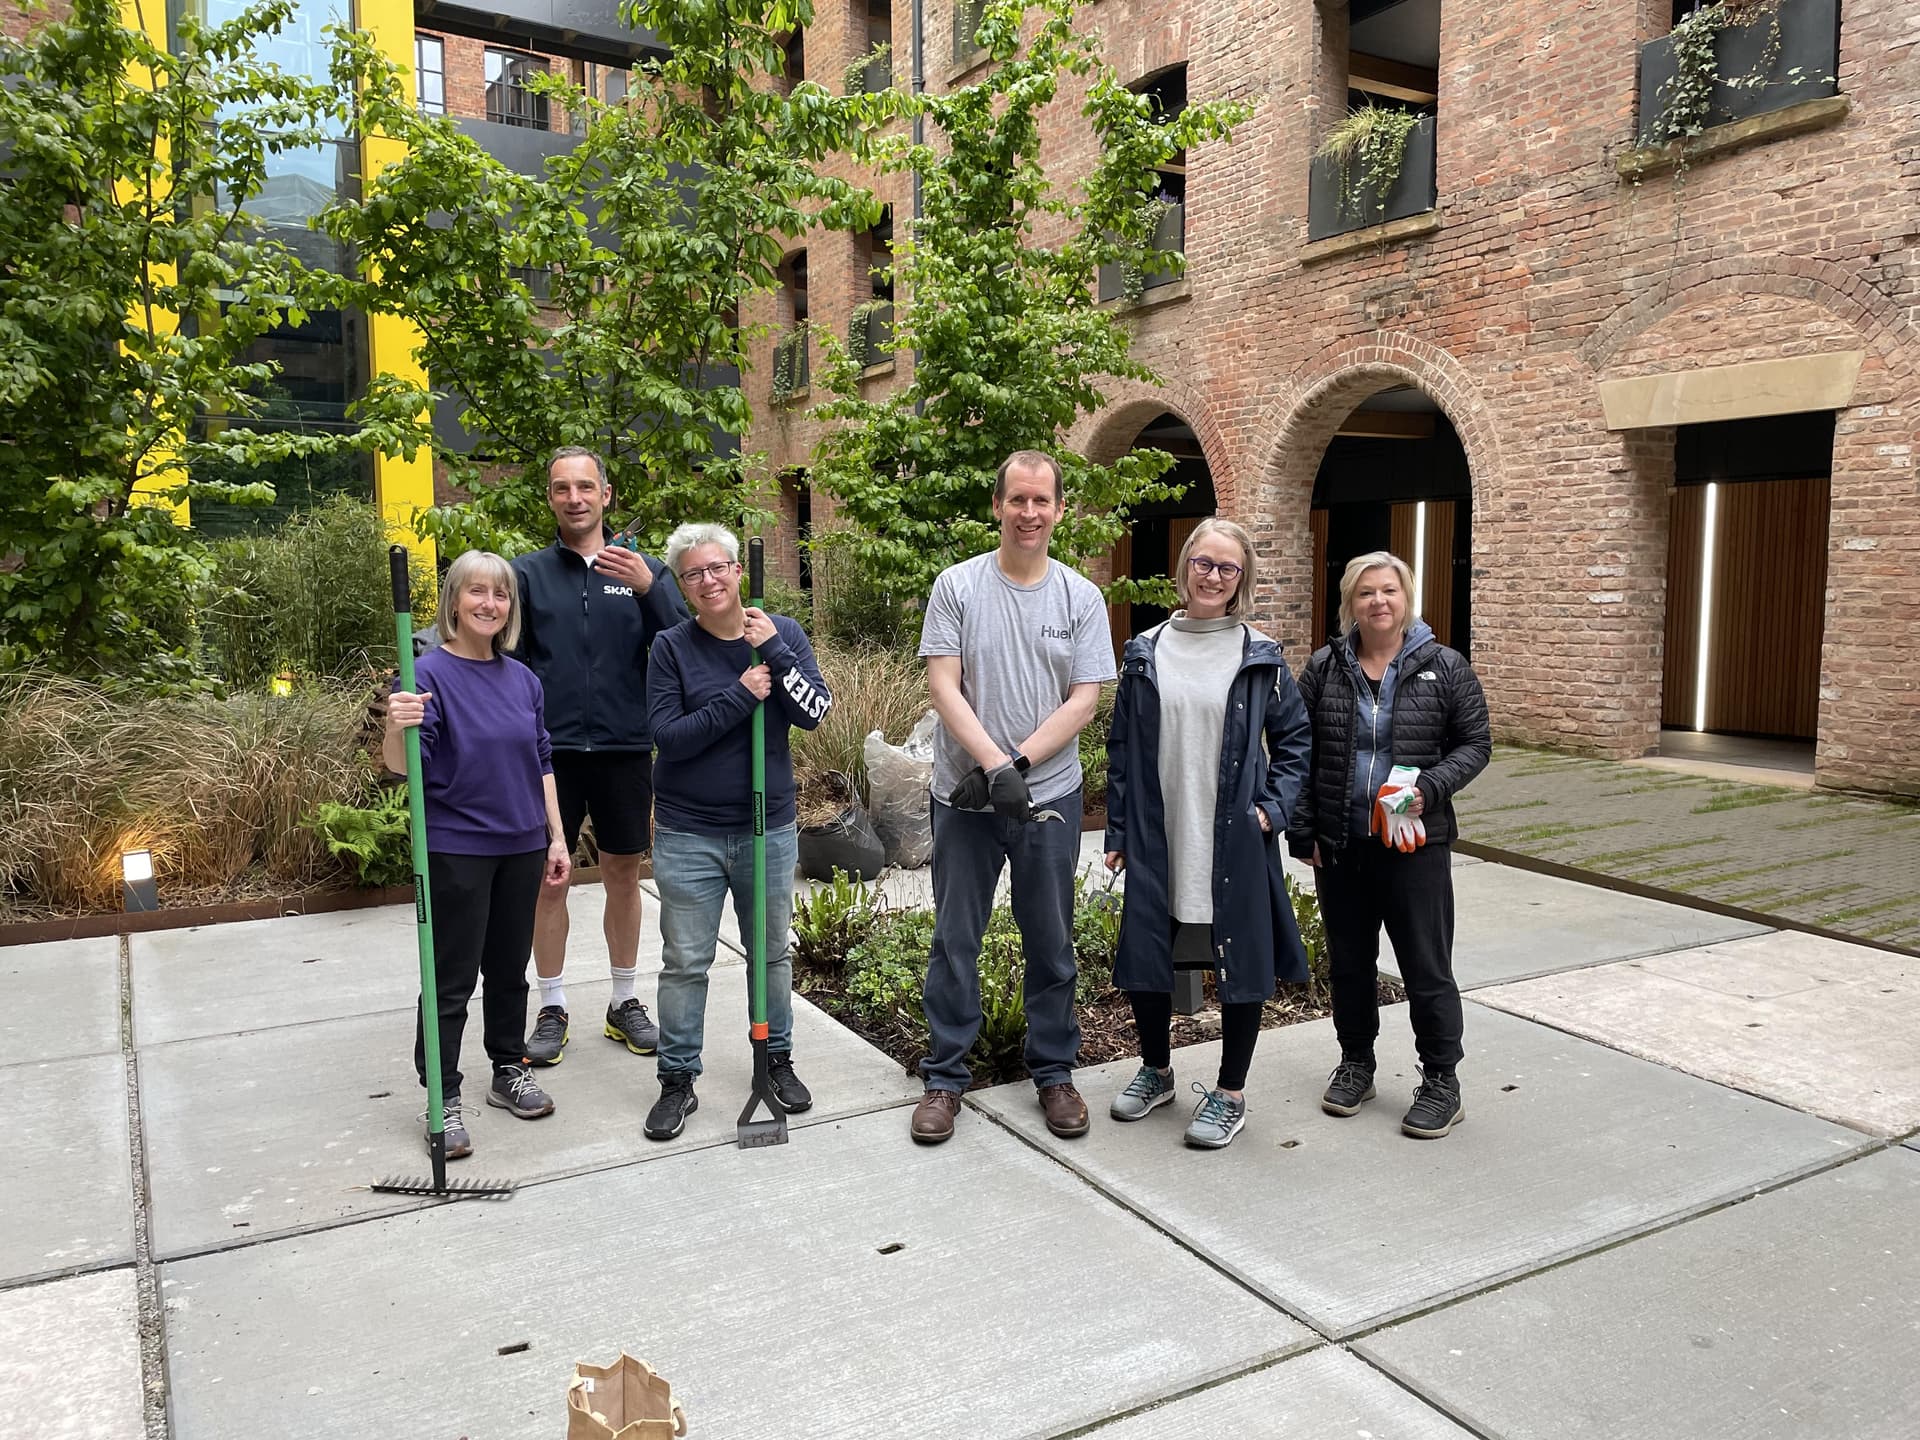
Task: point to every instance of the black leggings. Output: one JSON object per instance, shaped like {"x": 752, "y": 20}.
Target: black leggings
{"x": 482, "y": 930}
{"x": 1239, "y": 1029}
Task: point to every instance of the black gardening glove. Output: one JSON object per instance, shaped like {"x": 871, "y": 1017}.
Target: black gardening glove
{"x": 971, "y": 793}
{"x": 1011, "y": 799}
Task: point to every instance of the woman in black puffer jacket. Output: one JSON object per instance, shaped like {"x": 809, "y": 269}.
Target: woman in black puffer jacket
{"x": 1385, "y": 693}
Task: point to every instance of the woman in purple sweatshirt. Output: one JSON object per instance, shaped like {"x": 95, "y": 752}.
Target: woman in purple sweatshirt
{"x": 493, "y": 829}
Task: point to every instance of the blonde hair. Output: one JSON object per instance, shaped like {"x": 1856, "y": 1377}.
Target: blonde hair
{"x": 1358, "y": 566}
{"x": 1182, "y": 573}
{"x": 484, "y": 565}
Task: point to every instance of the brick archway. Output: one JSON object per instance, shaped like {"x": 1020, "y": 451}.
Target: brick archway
{"x": 1330, "y": 387}
{"x": 1106, "y": 436}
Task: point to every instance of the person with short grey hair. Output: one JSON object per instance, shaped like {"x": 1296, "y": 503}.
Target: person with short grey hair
{"x": 1399, "y": 726}
{"x": 593, "y": 607}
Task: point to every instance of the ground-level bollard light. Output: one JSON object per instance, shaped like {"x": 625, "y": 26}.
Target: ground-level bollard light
{"x": 137, "y": 888}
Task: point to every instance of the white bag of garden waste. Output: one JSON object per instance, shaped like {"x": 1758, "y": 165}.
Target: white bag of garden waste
{"x": 897, "y": 798}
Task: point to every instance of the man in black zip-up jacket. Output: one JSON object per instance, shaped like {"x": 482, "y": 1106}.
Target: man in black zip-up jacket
{"x": 591, "y": 610}
{"x": 1384, "y": 692}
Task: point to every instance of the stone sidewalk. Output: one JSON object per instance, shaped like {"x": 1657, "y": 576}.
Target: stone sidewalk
{"x": 1834, "y": 862}
{"x": 1682, "y": 1205}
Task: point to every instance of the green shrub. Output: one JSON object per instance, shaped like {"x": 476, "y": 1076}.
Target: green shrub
{"x": 376, "y": 838}
{"x": 831, "y": 921}
{"x": 1313, "y": 934}
{"x": 1096, "y": 936}
{"x": 999, "y": 1053}
{"x": 1093, "y": 750}
{"x": 313, "y": 597}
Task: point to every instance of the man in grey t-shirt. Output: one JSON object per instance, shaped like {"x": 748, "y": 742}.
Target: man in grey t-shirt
{"x": 1016, "y": 646}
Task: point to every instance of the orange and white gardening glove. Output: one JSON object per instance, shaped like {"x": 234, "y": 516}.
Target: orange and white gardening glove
{"x": 1393, "y": 818}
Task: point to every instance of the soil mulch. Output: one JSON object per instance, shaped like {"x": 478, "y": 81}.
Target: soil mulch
{"x": 1106, "y": 1025}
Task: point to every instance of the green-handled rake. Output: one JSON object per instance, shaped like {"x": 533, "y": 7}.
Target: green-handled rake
{"x": 423, "y": 924}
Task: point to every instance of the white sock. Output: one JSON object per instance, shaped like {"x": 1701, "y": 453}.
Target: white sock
{"x": 622, "y": 984}
{"x": 551, "y": 992}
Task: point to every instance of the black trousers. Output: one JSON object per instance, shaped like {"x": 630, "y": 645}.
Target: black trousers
{"x": 1364, "y": 887}
{"x": 482, "y": 931}
{"x": 1239, "y": 1030}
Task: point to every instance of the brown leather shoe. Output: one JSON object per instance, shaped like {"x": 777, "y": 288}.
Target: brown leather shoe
{"x": 1066, "y": 1111}
{"x": 933, "y": 1116}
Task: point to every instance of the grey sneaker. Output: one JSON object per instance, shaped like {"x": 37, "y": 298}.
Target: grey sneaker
{"x": 549, "y": 1036}
{"x": 454, "y": 1127}
{"x": 1216, "y": 1119}
{"x": 1436, "y": 1106}
{"x": 1146, "y": 1092}
{"x": 629, "y": 1025}
{"x": 1350, "y": 1086}
{"x": 516, "y": 1091}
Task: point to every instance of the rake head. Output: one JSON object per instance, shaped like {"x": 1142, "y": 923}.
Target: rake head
{"x": 449, "y": 1189}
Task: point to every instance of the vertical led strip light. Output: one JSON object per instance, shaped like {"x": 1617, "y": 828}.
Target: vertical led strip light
{"x": 1419, "y": 558}
{"x": 1706, "y": 609}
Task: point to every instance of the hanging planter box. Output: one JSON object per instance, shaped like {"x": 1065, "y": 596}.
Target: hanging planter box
{"x": 1330, "y": 206}
{"x": 1809, "y": 45}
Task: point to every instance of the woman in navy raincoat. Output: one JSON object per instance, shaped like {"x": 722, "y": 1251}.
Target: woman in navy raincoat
{"x": 1208, "y": 750}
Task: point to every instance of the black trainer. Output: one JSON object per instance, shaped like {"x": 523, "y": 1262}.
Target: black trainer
{"x": 1436, "y": 1106}
{"x": 793, "y": 1096}
{"x": 1351, "y": 1084}
{"x": 630, "y": 1025}
{"x": 515, "y": 1091}
{"x": 549, "y": 1036}
{"x": 669, "y": 1114}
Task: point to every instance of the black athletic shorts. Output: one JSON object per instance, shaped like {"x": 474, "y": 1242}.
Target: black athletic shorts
{"x": 616, "y": 788}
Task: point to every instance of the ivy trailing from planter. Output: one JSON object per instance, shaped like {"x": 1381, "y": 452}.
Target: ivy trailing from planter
{"x": 1370, "y": 147}
{"x": 1686, "y": 101}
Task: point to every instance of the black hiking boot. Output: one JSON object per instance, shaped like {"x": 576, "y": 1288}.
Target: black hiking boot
{"x": 1351, "y": 1084}
{"x": 1436, "y": 1106}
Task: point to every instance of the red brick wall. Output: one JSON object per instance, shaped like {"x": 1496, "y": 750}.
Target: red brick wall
{"x": 1550, "y": 273}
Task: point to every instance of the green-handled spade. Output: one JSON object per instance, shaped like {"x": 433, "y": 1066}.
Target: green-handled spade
{"x": 773, "y": 1130}
{"x": 423, "y": 918}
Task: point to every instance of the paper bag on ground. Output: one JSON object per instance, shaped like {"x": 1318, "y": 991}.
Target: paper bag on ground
{"x": 622, "y": 1401}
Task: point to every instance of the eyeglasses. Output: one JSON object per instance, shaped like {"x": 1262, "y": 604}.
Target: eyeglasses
{"x": 719, "y": 570}
{"x": 1229, "y": 571}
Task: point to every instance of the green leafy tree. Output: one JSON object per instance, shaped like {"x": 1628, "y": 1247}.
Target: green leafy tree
{"x": 132, "y": 283}
{"x": 598, "y": 304}
{"x": 1009, "y": 345}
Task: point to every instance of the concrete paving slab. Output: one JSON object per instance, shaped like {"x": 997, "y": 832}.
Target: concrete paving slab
{"x": 1349, "y": 1223}
{"x": 1323, "y": 1395}
{"x": 1513, "y": 924}
{"x": 60, "y": 1000}
{"x": 1794, "y": 1315}
{"x": 224, "y": 979}
{"x": 67, "y": 1185}
{"x": 70, "y": 1359}
{"x": 783, "y": 1291}
{"x": 1817, "y": 1024}
{"x": 276, "y": 1130}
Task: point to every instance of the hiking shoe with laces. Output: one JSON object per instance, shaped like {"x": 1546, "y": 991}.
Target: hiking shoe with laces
{"x": 1146, "y": 1092}
{"x": 669, "y": 1114}
{"x": 1216, "y": 1119}
{"x": 515, "y": 1091}
{"x": 1350, "y": 1086}
{"x": 549, "y": 1037}
{"x": 787, "y": 1089}
{"x": 454, "y": 1127}
{"x": 1436, "y": 1106}
{"x": 631, "y": 1027}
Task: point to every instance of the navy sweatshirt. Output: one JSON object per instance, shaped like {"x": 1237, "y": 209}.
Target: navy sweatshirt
{"x": 586, "y": 636}
{"x": 703, "y": 726}
{"x": 483, "y": 751}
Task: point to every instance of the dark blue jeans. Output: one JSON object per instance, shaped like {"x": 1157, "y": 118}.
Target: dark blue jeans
{"x": 969, "y": 849}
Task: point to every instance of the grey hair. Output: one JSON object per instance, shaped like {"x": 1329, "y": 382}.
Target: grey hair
{"x": 567, "y": 452}
{"x": 1358, "y": 566}
{"x": 1242, "y": 600}
{"x": 482, "y": 564}
{"x": 692, "y": 536}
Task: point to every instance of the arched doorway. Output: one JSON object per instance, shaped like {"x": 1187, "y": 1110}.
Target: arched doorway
{"x": 1395, "y": 477}
{"x": 1158, "y": 530}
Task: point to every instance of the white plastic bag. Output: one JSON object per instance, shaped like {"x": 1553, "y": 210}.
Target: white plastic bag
{"x": 897, "y": 798}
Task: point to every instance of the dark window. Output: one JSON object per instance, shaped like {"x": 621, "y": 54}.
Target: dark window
{"x": 509, "y": 102}
{"x": 430, "y": 75}
{"x": 796, "y": 57}
{"x": 967, "y": 15}
{"x": 879, "y": 73}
